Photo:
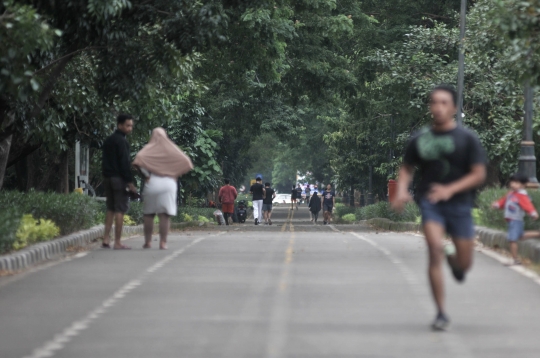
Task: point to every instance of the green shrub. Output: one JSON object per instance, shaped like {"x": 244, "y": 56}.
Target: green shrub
{"x": 136, "y": 212}
{"x": 349, "y": 217}
{"x": 9, "y": 223}
{"x": 339, "y": 200}
{"x": 203, "y": 219}
{"x": 383, "y": 210}
{"x": 493, "y": 218}
{"x": 31, "y": 231}
{"x": 71, "y": 212}
{"x": 193, "y": 212}
{"x": 342, "y": 210}
{"x": 128, "y": 221}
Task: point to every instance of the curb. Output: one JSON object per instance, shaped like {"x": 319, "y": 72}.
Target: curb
{"x": 53, "y": 249}
{"x": 529, "y": 249}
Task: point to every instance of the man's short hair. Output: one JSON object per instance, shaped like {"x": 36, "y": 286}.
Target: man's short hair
{"x": 123, "y": 117}
{"x": 446, "y": 88}
{"x": 258, "y": 178}
{"x": 520, "y": 178}
{"x": 227, "y": 181}
{"x": 266, "y": 184}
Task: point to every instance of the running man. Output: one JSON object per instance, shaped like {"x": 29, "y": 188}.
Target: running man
{"x": 267, "y": 203}
{"x": 452, "y": 164}
{"x": 293, "y": 198}
{"x": 257, "y": 190}
{"x": 328, "y": 201}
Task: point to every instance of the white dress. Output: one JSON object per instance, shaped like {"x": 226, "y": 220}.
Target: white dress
{"x": 159, "y": 195}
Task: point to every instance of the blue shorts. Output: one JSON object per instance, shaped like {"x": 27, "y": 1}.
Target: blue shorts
{"x": 455, "y": 217}
{"x": 516, "y": 229}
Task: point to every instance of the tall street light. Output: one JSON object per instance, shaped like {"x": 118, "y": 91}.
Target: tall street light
{"x": 461, "y": 60}
{"x": 527, "y": 158}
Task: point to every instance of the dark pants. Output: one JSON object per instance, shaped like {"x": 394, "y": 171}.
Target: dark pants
{"x": 116, "y": 195}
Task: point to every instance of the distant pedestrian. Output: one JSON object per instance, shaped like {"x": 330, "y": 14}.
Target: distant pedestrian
{"x": 315, "y": 207}
{"x": 294, "y": 193}
{"x": 269, "y": 196}
{"x": 227, "y": 196}
{"x": 328, "y": 201}
{"x": 516, "y": 203}
{"x": 257, "y": 190}
{"x": 118, "y": 179}
{"x": 308, "y": 194}
{"x": 452, "y": 164}
{"x": 161, "y": 162}
{"x": 298, "y": 195}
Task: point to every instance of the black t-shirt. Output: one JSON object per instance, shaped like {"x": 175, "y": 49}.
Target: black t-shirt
{"x": 269, "y": 196}
{"x": 298, "y": 193}
{"x": 444, "y": 157}
{"x": 257, "y": 190}
{"x": 293, "y": 194}
{"x": 328, "y": 197}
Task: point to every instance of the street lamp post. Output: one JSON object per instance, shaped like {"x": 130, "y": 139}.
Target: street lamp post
{"x": 527, "y": 158}
{"x": 461, "y": 60}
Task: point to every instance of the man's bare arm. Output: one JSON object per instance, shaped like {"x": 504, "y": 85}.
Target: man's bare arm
{"x": 473, "y": 180}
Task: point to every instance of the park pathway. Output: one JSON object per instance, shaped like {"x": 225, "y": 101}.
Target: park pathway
{"x": 287, "y": 290}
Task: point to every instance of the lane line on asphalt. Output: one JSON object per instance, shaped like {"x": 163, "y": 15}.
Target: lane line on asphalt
{"x": 50, "y": 348}
{"x": 278, "y": 330}
{"x": 455, "y": 345}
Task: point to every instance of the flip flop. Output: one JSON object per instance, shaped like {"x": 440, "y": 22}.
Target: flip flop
{"x": 122, "y": 247}
{"x": 145, "y": 246}
{"x": 105, "y": 246}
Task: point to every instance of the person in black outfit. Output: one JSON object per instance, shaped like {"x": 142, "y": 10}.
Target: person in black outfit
{"x": 315, "y": 206}
{"x": 298, "y": 195}
{"x": 270, "y": 194}
{"x": 116, "y": 169}
{"x": 293, "y": 198}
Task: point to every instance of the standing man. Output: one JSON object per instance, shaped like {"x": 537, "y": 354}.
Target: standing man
{"x": 227, "y": 196}
{"x": 452, "y": 163}
{"x": 116, "y": 169}
{"x": 258, "y": 191}
{"x": 328, "y": 199}
{"x": 270, "y": 194}
{"x": 308, "y": 194}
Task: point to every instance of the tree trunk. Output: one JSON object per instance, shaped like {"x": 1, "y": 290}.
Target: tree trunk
{"x": 63, "y": 183}
{"x": 5, "y": 145}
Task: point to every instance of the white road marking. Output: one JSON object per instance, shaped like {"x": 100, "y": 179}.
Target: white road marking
{"x": 50, "y": 348}
{"x": 454, "y": 344}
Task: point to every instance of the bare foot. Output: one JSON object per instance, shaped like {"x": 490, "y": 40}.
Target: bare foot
{"x": 147, "y": 246}
{"x": 163, "y": 246}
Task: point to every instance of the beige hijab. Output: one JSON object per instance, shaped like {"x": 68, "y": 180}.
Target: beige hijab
{"x": 162, "y": 157}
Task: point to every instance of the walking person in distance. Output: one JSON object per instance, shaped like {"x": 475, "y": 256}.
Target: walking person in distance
{"x": 269, "y": 196}
{"x": 298, "y": 195}
{"x": 328, "y": 199}
{"x": 227, "y": 196}
{"x": 258, "y": 192}
{"x": 161, "y": 162}
{"x": 293, "y": 198}
{"x": 314, "y": 207}
{"x": 452, "y": 164}
{"x": 116, "y": 169}
{"x": 308, "y": 194}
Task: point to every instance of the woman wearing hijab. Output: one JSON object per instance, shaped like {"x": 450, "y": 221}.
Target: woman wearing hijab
{"x": 315, "y": 206}
{"x": 161, "y": 162}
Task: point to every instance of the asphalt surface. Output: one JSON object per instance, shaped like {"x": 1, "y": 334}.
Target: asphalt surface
{"x": 287, "y": 290}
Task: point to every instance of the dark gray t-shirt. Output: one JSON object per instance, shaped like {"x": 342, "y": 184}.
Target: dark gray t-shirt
{"x": 443, "y": 158}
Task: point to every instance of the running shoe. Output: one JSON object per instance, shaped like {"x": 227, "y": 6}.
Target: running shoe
{"x": 269, "y": 222}
{"x": 441, "y": 322}
{"x": 514, "y": 263}
{"x": 450, "y": 251}
{"x": 256, "y": 221}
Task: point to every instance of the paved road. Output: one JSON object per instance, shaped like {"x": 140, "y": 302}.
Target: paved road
{"x": 289, "y": 290}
